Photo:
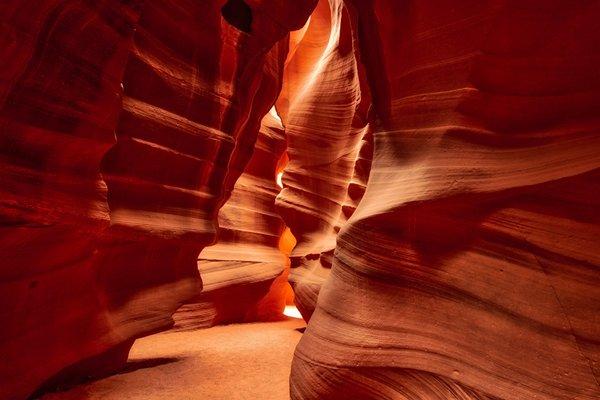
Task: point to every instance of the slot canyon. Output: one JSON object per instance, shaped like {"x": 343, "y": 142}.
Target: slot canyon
{"x": 300, "y": 199}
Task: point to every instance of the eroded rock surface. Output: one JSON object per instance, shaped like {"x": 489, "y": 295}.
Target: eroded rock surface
{"x": 125, "y": 125}
{"x": 244, "y": 274}
{"x": 470, "y": 269}
{"x": 60, "y": 98}
{"x": 324, "y": 116}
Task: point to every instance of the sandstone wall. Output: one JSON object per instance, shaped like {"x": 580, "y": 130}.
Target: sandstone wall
{"x": 124, "y": 126}
{"x": 470, "y": 268}
{"x": 324, "y": 112}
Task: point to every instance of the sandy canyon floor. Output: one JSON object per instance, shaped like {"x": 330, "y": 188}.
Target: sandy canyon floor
{"x": 233, "y": 362}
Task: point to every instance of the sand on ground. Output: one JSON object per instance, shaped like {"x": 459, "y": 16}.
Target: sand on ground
{"x": 232, "y": 362}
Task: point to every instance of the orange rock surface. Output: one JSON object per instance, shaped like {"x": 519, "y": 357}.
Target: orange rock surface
{"x": 124, "y": 126}
{"x": 324, "y": 116}
{"x": 470, "y": 268}
{"x": 244, "y": 274}
{"x": 440, "y": 165}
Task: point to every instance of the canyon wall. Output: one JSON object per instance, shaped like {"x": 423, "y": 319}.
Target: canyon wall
{"x": 244, "y": 274}
{"x": 442, "y": 185}
{"x": 59, "y": 105}
{"x": 470, "y": 269}
{"x": 324, "y": 113}
{"x": 124, "y": 126}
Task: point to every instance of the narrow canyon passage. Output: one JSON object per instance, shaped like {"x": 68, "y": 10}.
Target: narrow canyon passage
{"x": 300, "y": 199}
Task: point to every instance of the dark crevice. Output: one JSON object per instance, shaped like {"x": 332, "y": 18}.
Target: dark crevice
{"x": 238, "y": 14}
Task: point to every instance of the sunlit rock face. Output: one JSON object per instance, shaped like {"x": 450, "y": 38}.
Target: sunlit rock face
{"x": 470, "y": 268}
{"x": 124, "y": 126}
{"x": 244, "y": 274}
{"x": 191, "y": 124}
{"x": 441, "y": 183}
{"x": 324, "y": 113}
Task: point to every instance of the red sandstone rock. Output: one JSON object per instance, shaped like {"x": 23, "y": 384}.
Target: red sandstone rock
{"x": 187, "y": 129}
{"x": 470, "y": 268}
{"x": 239, "y": 272}
{"x": 79, "y": 282}
{"x": 60, "y": 97}
{"x": 324, "y": 116}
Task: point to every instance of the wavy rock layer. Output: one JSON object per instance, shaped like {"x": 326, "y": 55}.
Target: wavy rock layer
{"x": 187, "y": 129}
{"x": 324, "y": 117}
{"x": 60, "y": 98}
{"x": 244, "y": 273}
{"x": 470, "y": 269}
{"x": 89, "y": 261}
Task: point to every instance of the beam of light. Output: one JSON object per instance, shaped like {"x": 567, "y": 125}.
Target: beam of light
{"x": 274, "y": 114}
{"x": 279, "y": 181}
{"x": 292, "y": 312}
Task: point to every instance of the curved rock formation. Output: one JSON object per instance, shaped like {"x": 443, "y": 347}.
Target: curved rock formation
{"x": 60, "y": 97}
{"x": 324, "y": 117}
{"x": 465, "y": 268}
{"x": 91, "y": 262}
{"x": 244, "y": 273}
{"x": 187, "y": 129}
{"x": 470, "y": 268}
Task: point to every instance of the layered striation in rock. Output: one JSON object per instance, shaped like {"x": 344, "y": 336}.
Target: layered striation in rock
{"x": 60, "y": 97}
{"x": 324, "y": 113}
{"x": 187, "y": 129}
{"x": 244, "y": 274}
{"x": 447, "y": 151}
{"x": 470, "y": 268}
{"x": 124, "y": 126}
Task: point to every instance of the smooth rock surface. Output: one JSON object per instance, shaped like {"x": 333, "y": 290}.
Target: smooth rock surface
{"x": 244, "y": 274}
{"x": 442, "y": 182}
{"x": 470, "y": 268}
{"x": 124, "y": 127}
{"x": 60, "y": 98}
{"x": 324, "y": 116}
